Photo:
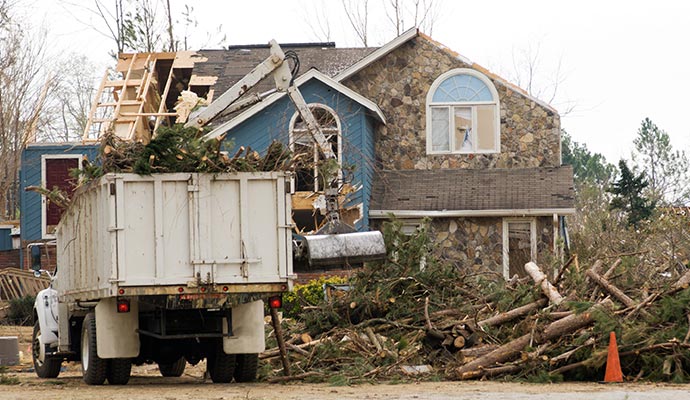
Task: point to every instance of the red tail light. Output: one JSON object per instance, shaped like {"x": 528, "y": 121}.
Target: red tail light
{"x": 122, "y": 305}
{"x": 275, "y": 302}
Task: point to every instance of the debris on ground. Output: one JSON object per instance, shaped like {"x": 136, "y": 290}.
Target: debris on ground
{"x": 400, "y": 321}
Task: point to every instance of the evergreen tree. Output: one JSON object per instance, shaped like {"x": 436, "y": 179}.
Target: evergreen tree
{"x": 588, "y": 167}
{"x": 666, "y": 168}
{"x": 628, "y": 195}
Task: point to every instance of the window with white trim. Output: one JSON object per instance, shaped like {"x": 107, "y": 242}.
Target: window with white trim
{"x": 519, "y": 245}
{"x": 462, "y": 114}
{"x": 302, "y": 143}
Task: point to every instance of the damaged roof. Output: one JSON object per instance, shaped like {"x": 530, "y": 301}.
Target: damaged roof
{"x": 233, "y": 64}
{"x": 474, "y": 192}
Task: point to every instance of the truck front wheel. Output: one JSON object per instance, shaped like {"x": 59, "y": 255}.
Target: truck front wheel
{"x": 93, "y": 367}
{"x": 49, "y": 367}
{"x": 245, "y": 367}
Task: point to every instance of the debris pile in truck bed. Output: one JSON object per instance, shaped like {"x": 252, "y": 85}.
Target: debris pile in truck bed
{"x": 174, "y": 149}
{"x": 180, "y": 149}
{"x": 442, "y": 322}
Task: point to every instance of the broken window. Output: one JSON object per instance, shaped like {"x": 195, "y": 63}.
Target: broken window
{"x": 519, "y": 246}
{"x": 462, "y": 114}
{"x": 309, "y": 175}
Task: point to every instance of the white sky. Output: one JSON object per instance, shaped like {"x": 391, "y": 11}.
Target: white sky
{"x": 621, "y": 61}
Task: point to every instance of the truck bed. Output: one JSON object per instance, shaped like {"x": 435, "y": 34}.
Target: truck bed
{"x": 176, "y": 233}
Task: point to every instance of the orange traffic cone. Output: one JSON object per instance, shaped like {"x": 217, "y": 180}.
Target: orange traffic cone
{"x": 613, "y": 362}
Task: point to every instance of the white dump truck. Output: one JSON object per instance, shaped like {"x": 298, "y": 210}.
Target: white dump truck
{"x": 174, "y": 268}
{"x": 167, "y": 268}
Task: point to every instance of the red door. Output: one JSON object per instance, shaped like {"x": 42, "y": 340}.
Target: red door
{"x": 57, "y": 173}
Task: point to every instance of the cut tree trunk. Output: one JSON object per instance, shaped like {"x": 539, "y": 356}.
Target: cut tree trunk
{"x": 512, "y": 314}
{"x": 540, "y": 279}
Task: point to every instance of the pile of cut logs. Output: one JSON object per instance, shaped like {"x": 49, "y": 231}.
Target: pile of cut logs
{"x": 560, "y": 331}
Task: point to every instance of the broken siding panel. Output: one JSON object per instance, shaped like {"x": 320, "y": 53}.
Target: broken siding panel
{"x": 367, "y": 164}
{"x": 30, "y": 175}
{"x": 357, "y": 130}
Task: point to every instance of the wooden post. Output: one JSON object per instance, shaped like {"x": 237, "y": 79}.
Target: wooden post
{"x": 281, "y": 342}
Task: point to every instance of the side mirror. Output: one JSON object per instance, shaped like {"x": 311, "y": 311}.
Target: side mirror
{"x": 35, "y": 258}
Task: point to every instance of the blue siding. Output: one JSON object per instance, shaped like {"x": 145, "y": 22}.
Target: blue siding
{"x": 272, "y": 123}
{"x": 30, "y": 175}
{"x": 5, "y": 239}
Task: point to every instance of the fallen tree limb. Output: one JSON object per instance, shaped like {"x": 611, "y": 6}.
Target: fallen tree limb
{"x": 606, "y": 276}
{"x": 512, "y": 314}
{"x": 540, "y": 279}
{"x": 512, "y": 349}
{"x": 275, "y": 352}
{"x": 610, "y": 288}
{"x": 298, "y": 377}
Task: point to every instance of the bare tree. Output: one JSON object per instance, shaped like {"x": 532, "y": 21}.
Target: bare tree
{"x": 528, "y": 73}
{"x": 24, "y": 88}
{"x": 423, "y": 13}
{"x": 318, "y": 21}
{"x": 145, "y": 25}
{"x": 357, "y": 13}
{"x": 70, "y": 101}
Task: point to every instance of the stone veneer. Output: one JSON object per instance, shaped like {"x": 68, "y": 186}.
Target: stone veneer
{"x": 399, "y": 82}
{"x": 477, "y": 243}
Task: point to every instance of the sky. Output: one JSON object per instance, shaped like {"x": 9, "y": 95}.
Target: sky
{"x": 616, "y": 62}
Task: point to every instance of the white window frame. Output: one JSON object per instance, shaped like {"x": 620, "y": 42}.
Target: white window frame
{"x": 44, "y": 199}
{"x": 533, "y": 241}
{"x": 316, "y": 152}
{"x": 473, "y": 105}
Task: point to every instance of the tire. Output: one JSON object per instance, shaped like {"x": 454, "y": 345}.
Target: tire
{"x": 174, "y": 369}
{"x": 48, "y": 368}
{"x": 245, "y": 367}
{"x": 93, "y": 367}
{"x": 221, "y": 366}
{"x": 118, "y": 371}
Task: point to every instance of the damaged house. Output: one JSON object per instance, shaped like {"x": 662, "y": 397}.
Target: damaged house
{"x": 418, "y": 130}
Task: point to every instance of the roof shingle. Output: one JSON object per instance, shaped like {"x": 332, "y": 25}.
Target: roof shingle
{"x": 474, "y": 189}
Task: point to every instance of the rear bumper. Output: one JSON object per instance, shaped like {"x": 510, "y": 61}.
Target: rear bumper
{"x": 219, "y": 289}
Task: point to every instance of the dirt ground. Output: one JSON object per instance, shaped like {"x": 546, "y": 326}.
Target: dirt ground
{"x": 146, "y": 383}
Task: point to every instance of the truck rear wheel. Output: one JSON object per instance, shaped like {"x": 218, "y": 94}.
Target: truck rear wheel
{"x": 93, "y": 367}
{"x": 174, "y": 369}
{"x": 49, "y": 367}
{"x": 221, "y": 366}
{"x": 118, "y": 371}
{"x": 245, "y": 367}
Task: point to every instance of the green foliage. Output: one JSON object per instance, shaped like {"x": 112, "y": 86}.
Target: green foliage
{"x": 21, "y": 311}
{"x": 629, "y": 197}
{"x": 588, "y": 167}
{"x": 7, "y": 380}
{"x": 667, "y": 170}
{"x": 310, "y": 294}
{"x": 180, "y": 149}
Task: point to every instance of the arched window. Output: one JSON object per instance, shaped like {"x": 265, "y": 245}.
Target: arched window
{"x": 301, "y": 142}
{"x": 462, "y": 114}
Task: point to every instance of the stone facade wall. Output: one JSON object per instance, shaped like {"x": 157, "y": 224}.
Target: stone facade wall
{"x": 399, "y": 83}
{"x": 477, "y": 243}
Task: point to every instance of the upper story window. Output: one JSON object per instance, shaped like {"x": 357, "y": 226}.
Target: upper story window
{"x": 462, "y": 114}
{"x": 301, "y": 142}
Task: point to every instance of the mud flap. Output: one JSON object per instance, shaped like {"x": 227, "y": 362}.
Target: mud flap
{"x": 116, "y": 333}
{"x": 247, "y": 329}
